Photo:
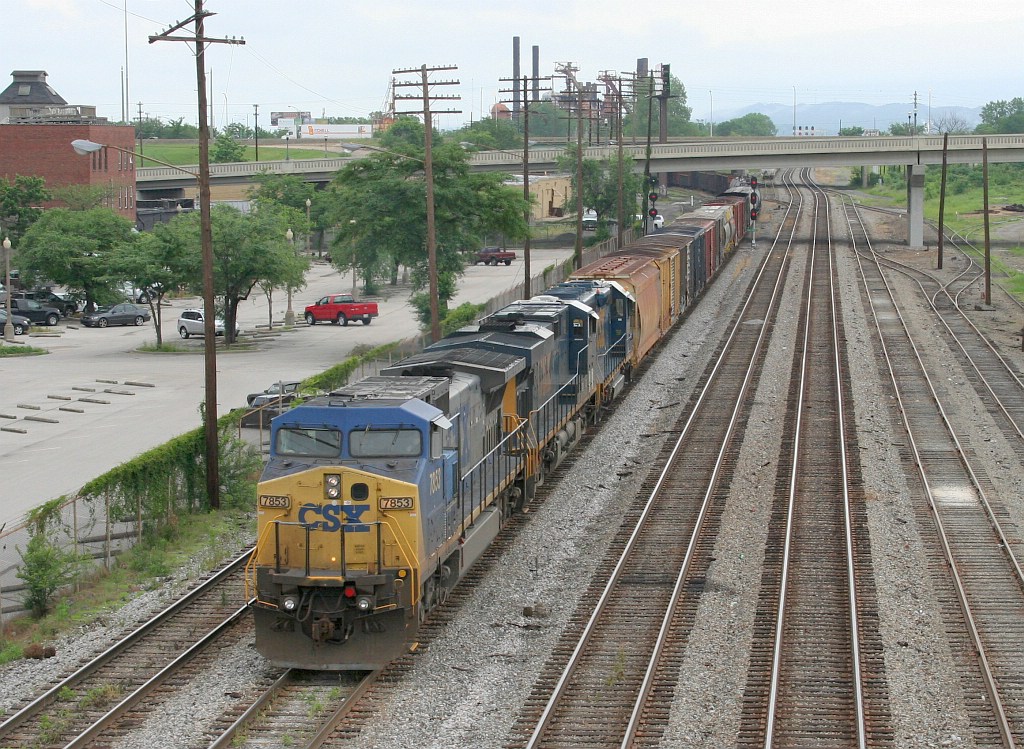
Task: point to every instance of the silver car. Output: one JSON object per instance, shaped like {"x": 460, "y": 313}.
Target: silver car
{"x": 191, "y": 322}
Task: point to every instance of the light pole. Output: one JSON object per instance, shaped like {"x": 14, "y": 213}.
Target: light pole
{"x": 712, "y": 98}
{"x": 286, "y": 157}
{"x": 794, "y": 110}
{"x": 83, "y": 147}
{"x": 309, "y": 226}
{"x": 289, "y": 315}
{"x": 8, "y": 324}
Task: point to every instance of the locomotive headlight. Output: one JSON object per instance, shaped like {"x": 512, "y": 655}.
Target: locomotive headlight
{"x": 290, "y": 603}
{"x": 364, "y": 603}
{"x": 332, "y": 484}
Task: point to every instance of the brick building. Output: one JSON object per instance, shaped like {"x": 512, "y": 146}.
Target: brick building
{"x": 36, "y": 130}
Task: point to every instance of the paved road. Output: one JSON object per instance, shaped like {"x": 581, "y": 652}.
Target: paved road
{"x": 68, "y": 448}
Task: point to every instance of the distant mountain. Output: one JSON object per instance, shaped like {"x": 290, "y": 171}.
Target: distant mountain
{"x": 826, "y": 118}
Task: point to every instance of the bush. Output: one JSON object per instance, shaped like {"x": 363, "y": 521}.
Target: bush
{"x": 45, "y": 569}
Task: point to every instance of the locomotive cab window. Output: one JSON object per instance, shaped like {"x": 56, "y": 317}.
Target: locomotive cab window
{"x": 308, "y": 442}
{"x": 385, "y": 443}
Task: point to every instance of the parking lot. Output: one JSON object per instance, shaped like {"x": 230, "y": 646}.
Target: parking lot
{"x": 96, "y": 401}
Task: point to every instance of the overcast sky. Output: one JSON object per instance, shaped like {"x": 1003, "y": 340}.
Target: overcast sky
{"x": 336, "y": 57}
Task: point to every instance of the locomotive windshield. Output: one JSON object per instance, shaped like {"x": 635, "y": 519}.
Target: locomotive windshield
{"x": 307, "y": 442}
{"x": 385, "y": 443}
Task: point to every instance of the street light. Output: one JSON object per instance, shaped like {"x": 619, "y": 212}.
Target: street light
{"x": 712, "y": 97}
{"x": 84, "y": 147}
{"x": 286, "y": 146}
{"x": 309, "y": 228}
{"x": 8, "y": 325}
{"x": 289, "y": 315}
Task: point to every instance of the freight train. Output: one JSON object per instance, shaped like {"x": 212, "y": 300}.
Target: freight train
{"x": 378, "y": 496}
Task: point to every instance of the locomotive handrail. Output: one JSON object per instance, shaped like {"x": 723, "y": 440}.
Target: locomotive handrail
{"x": 250, "y": 565}
{"x": 399, "y": 535}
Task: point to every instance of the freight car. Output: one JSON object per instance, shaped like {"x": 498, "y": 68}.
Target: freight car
{"x": 378, "y": 496}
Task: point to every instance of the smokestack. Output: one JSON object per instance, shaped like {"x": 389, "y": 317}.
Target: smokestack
{"x": 641, "y": 67}
{"x": 536, "y": 73}
{"x": 517, "y": 82}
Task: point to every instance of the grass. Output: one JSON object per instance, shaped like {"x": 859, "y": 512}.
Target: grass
{"x": 187, "y": 153}
{"x": 20, "y": 349}
{"x": 163, "y": 348}
{"x": 206, "y": 536}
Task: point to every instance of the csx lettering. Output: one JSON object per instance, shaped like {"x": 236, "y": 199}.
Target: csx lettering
{"x": 435, "y": 481}
{"x": 329, "y": 517}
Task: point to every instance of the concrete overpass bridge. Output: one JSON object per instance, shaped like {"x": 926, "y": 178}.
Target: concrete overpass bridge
{"x": 703, "y": 154}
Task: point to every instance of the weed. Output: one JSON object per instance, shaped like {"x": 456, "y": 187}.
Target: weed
{"x": 618, "y": 670}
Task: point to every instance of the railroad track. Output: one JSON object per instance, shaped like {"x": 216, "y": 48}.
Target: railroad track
{"x": 813, "y": 679}
{"x": 79, "y": 708}
{"x": 300, "y": 709}
{"x": 611, "y": 676}
{"x": 995, "y": 380}
{"x": 976, "y": 555}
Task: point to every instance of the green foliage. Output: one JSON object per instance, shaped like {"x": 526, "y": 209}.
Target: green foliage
{"x": 339, "y": 374}
{"x": 226, "y": 150}
{"x": 377, "y": 205}
{"x": 1002, "y": 117}
{"x": 753, "y": 124}
{"x": 248, "y": 249}
{"x": 645, "y": 112}
{"x": 601, "y": 185}
{"x": 852, "y": 131}
{"x": 44, "y": 569}
{"x": 72, "y": 248}
{"x": 490, "y": 133}
{"x": 20, "y": 349}
{"x": 83, "y": 197}
{"x": 19, "y": 201}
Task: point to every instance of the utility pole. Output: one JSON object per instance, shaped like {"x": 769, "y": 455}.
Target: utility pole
{"x": 200, "y": 40}
{"x": 527, "y": 209}
{"x": 256, "y": 129}
{"x": 428, "y": 171}
{"x": 568, "y": 70}
{"x": 647, "y": 158}
{"x": 140, "y": 131}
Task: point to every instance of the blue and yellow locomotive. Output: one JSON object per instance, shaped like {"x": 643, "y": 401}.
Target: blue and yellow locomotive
{"x": 378, "y": 496}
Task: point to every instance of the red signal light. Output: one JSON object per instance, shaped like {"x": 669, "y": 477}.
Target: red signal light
{"x": 753, "y": 182}
{"x": 753, "y": 214}
{"x": 653, "y": 212}
{"x": 653, "y": 197}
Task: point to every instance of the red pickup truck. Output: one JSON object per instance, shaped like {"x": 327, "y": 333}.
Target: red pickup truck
{"x": 339, "y": 309}
{"x": 495, "y": 255}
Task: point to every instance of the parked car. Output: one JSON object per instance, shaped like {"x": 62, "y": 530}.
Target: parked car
{"x": 283, "y": 391}
{"x": 340, "y": 308}
{"x": 657, "y": 221}
{"x": 125, "y": 313}
{"x": 21, "y": 323}
{"x": 35, "y": 311}
{"x": 495, "y": 255}
{"x": 191, "y": 322}
{"x": 66, "y": 303}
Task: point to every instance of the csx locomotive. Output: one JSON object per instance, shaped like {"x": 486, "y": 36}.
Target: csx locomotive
{"x": 378, "y": 496}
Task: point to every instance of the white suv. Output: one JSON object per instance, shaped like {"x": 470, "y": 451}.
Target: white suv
{"x": 191, "y": 323}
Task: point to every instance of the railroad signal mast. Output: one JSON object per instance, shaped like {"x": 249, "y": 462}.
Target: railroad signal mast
{"x": 755, "y": 208}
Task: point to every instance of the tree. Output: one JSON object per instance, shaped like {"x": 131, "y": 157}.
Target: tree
{"x": 490, "y": 133}
{"x": 72, "y": 248}
{"x": 1002, "y": 117}
{"x": 84, "y": 197}
{"x": 17, "y": 204}
{"x": 546, "y": 120}
{"x": 601, "y": 185}
{"x": 248, "y": 249}
{"x": 378, "y": 206}
{"x": 237, "y": 130}
{"x": 291, "y": 191}
{"x": 159, "y": 261}
{"x": 953, "y": 123}
{"x": 45, "y": 569}
{"x": 851, "y": 131}
{"x": 639, "y": 106}
{"x": 227, "y": 150}
{"x": 753, "y": 124}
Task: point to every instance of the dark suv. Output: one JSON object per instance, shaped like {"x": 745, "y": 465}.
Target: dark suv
{"x": 35, "y": 311}
{"x": 66, "y": 305}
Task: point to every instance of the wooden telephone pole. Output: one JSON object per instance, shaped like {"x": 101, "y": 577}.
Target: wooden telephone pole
{"x": 428, "y": 171}
{"x": 200, "y": 40}
{"x": 526, "y": 80}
